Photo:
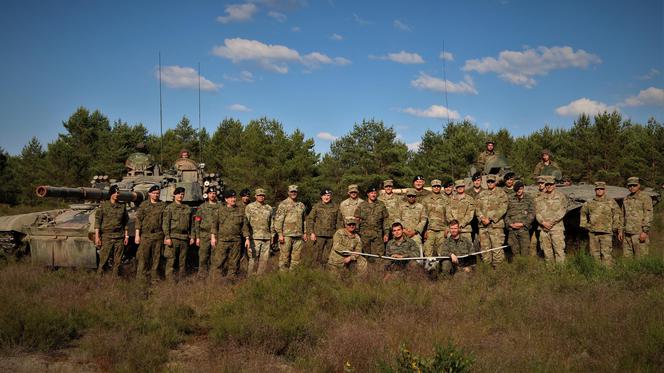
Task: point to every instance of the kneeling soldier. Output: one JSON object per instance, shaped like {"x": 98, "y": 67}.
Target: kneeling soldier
{"x": 455, "y": 245}
{"x": 345, "y": 239}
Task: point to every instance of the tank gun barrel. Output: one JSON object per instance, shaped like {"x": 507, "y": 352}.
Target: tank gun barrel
{"x": 88, "y": 194}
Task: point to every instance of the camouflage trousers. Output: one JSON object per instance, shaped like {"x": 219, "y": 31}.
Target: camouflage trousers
{"x": 149, "y": 254}
{"x": 322, "y": 248}
{"x": 434, "y": 242}
{"x": 418, "y": 240}
{"x": 519, "y": 241}
{"x": 290, "y": 253}
{"x": 176, "y": 256}
{"x": 204, "y": 253}
{"x": 358, "y": 266}
{"x": 372, "y": 243}
{"x": 553, "y": 245}
{"x": 226, "y": 258}
{"x": 490, "y": 238}
{"x": 632, "y": 247}
{"x": 601, "y": 246}
{"x": 261, "y": 254}
{"x": 111, "y": 247}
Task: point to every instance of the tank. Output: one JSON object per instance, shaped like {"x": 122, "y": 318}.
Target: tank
{"x": 65, "y": 237}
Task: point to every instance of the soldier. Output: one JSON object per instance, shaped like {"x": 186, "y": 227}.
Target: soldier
{"x": 176, "y": 225}
{"x": 345, "y": 239}
{"x": 400, "y": 246}
{"x": 259, "y": 216}
{"x": 229, "y": 231}
{"x": 637, "y": 210}
{"x": 509, "y": 183}
{"x": 149, "y": 235}
{"x": 111, "y": 231}
{"x": 601, "y": 216}
{"x": 477, "y": 185}
{"x": 289, "y": 225}
{"x": 462, "y": 209}
{"x": 413, "y": 218}
{"x": 418, "y": 185}
{"x": 448, "y": 190}
{"x": 550, "y": 209}
{"x": 373, "y": 220}
{"x": 348, "y": 206}
{"x": 204, "y": 218}
{"x": 435, "y": 204}
{"x": 245, "y": 199}
{"x": 490, "y": 208}
{"x": 321, "y": 226}
{"x": 534, "y": 231}
{"x": 546, "y": 165}
{"x": 519, "y": 218}
{"x": 452, "y": 246}
{"x": 488, "y": 154}
{"x": 392, "y": 201}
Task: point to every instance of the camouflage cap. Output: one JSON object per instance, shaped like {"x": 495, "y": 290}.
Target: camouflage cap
{"x": 490, "y": 141}
{"x": 153, "y": 188}
{"x": 388, "y": 182}
{"x": 353, "y": 188}
{"x": 546, "y": 151}
{"x": 178, "y": 190}
{"x": 292, "y": 188}
{"x": 436, "y": 182}
{"x": 460, "y": 183}
{"x": 633, "y": 181}
{"x": 600, "y": 185}
{"x": 259, "y": 192}
{"x": 549, "y": 179}
{"x": 541, "y": 179}
{"x": 348, "y": 220}
{"x": 491, "y": 177}
{"x": 411, "y": 192}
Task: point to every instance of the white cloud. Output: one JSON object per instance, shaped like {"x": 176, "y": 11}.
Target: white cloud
{"x": 244, "y": 76}
{"x": 651, "y": 96}
{"x": 519, "y": 67}
{"x": 447, "y": 56}
{"x": 336, "y": 37}
{"x": 239, "y": 107}
{"x": 296, "y": 29}
{"x": 402, "y": 26}
{"x": 238, "y": 13}
{"x": 184, "y": 77}
{"x": 414, "y": 146}
{"x": 584, "y": 106}
{"x": 326, "y": 136}
{"x": 469, "y": 118}
{"x": 434, "y": 111}
{"x": 279, "y": 17}
{"x": 430, "y": 83}
{"x": 649, "y": 75}
{"x": 360, "y": 21}
{"x": 401, "y": 57}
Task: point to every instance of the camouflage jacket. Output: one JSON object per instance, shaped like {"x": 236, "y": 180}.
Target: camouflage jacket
{"x": 259, "y": 217}
{"x": 289, "y": 220}
{"x": 483, "y": 158}
{"x": 149, "y": 218}
{"x": 601, "y": 215}
{"x": 520, "y": 211}
{"x": 491, "y": 204}
{"x": 111, "y": 219}
{"x": 230, "y": 225}
{"x": 392, "y": 203}
{"x": 463, "y": 210}
{"x": 460, "y": 246}
{"x": 551, "y": 207}
{"x": 324, "y": 219}
{"x": 177, "y": 221}
{"x": 405, "y": 246}
{"x": 343, "y": 241}
{"x": 508, "y": 191}
{"x": 413, "y": 216}
{"x": 348, "y": 206}
{"x": 540, "y": 167}
{"x": 373, "y": 218}
{"x": 204, "y": 218}
{"x": 637, "y": 210}
{"x": 435, "y": 205}
{"x": 471, "y": 192}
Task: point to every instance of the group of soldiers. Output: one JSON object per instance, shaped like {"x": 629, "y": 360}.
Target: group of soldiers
{"x": 356, "y": 234}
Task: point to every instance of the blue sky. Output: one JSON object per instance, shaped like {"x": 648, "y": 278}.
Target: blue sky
{"x": 322, "y": 66}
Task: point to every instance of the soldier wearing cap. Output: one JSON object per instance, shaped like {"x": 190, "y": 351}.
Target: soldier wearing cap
{"x": 322, "y": 225}
{"x": 203, "y": 219}
{"x": 546, "y": 165}
{"x": 177, "y": 227}
{"x": 490, "y": 208}
{"x": 289, "y": 223}
{"x": 391, "y": 200}
{"x": 435, "y": 204}
{"x": 149, "y": 235}
{"x": 259, "y": 216}
{"x": 347, "y": 207}
{"x": 477, "y": 185}
{"x": 413, "y": 218}
{"x": 488, "y": 154}
{"x": 374, "y": 223}
{"x": 230, "y": 231}
{"x": 638, "y": 215}
{"x": 601, "y": 216}
{"x": 519, "y": 218}
{"x": 345, "y": 239}
{"x": 462, "y": 209}
{"x": 418, "y": 185}
{"x": 509, "y": 179}
{"x": 550, "y": 209}
{"x": 534, "y": 231}
{"x": 111, "y": 230}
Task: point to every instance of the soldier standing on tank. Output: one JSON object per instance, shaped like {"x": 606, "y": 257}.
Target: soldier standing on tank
{"x": 345, "y": 239}
{"x": 203, "y": 220}
{"x": 550, "y": 209}
{"x": 546, "y": 163}
{"x": 391, "y": 200}
{"x": 289, "y": 223}
{"x": 149, "y": 235}
{"x": 519, "y": 218}
{"x": 373, "y": 220}
{"x": 321, "y": 226}
{"x": 259, "y": 216}
{"x": 230, "y": 231}
{"x": 637, "y": 210}
{"x": 111, "y": 230}
{"x": 177, "y": 227}
{"x": 490, "y": 208}
{"x": 601, "y": 216}
{"x": 462, "y": 209}
{"x": 347, "y": 207}
{"x": 413, "y": 218}
{"x": 485, "y": 156}
{"x": 435, "y": 204}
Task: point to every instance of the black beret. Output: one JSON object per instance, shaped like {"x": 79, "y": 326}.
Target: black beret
{"x": 178, "y": 190}
{"x": 372, "y": 188}
{"x": 477, "y": 175}
{"x": 448, "y": 183}
{"x": 212, "y": 189}
{"x": 509, "y": 175}
{"x": 325, "y": 191}
{"x": 113, "y": 189}
{"x": 229, "y": 193}
{"x": 418, "y": 177}
{"x": 245, "y": 192}
{"x": 518, "y": 185}
{"x": 153, "y": 188}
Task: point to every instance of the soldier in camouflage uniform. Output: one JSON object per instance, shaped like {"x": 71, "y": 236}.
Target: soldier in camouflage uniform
{"x": 347, "y": 207}
{"x": 245, "y": 200}
{"x": 518, "y": 219}
{"x": 111, "y": 231}
{"x": 486, "y": 155}
{"x": 177, "y": 227}
{"x": 289, "y": 223}
{"x": 322, "y": 225}
{"x": 601, "y": 216}
{"x": 392, "y": 201}
{"x": 550, "y": 209}
{"x": 400, "y": 246}
{"x": 477, "y": 185}
{"x": 462, "y": 209}
{"x": 345, "y": 239}
{"x": 637, "y": 211}
{"x": 534, "y": 232}
{"x": 509, "y": 183}
{"x": 435, "y": 204}
{"x": 373, "y": 220}
{"x": 452, "y": 246}
{"x": 413, "y": 218}
{"x": 418, "y": 185}
{"x": 490, "y": 208}
{"x": 230, "y": 231}
{"x": 149, "y": 235}
{"x": 546, "y": 165}
{"x": 203, "y": 220}
{"x": 259, "y": 216}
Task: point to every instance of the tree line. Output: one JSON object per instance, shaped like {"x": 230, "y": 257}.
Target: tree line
{"x": 260, "y": 153}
